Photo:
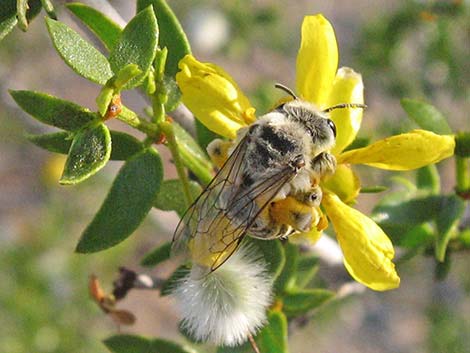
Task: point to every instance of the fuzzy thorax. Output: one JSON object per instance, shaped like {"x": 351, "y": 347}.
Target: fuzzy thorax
{"x": 227, "y": 305}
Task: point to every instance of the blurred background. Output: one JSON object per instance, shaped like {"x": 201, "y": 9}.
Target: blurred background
{"x": 414, "y": 49}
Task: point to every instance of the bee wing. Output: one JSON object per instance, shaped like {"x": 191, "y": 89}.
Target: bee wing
{"x": 213, "y": 227}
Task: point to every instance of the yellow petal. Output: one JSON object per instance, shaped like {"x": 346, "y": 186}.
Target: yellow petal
{"x": 214, "y": 97}
{"x": 347, "y": 88}
{"x": 366, "y": 248}
{"x": 344, "y": 183}
{"x": 412, "y": 150}
{"x": 317, "y": 60}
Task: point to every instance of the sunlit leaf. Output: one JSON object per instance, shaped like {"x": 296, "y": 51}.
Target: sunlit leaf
{"x": 77, "y": 53}
{"x": 137, "y": 45}
{"x": 426, "y": 116}
{"x": 53, "y": 111}
{"x": 103, "y": 27}
{"x": 89, "y": 152}
{"x": 130, "y": 199}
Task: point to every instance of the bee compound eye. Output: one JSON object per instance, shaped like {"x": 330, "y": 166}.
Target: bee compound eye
{"x": 332, "y": 126}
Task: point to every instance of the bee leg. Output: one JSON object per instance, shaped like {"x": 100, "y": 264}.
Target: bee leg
{"x": 293, "y": 213}
{"x": 323, "y": 164}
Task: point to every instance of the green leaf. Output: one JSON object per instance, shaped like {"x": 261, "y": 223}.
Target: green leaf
{"x": 192, "y": 155}
{"x": 126, "y": 74}
{"x": 124, "y": 146}
{"x": 428, "y": 178}
{"x": 77, "y": 53}
{"x": 451, "y": 210}
{"x": 301, "y": 301}
{"x": 172, "y": 35}
{"x": 273, "y": 253}
{"x": 307, "y": 267}
{"x": 128, "y": 344}
{"x": 58, "y": 142}
{"x": 373, "y": 189}
{"x": 462, "y": 144}
{"x": 170, "y": 197}
{"x": 130, "y": 199}
{"x": 426, "y": 116}
{"x": 273, "y": 337}
{"x": 8, "y": 14}
{"x": 420, "y": 235}
{"x": 163, "y": 346}
{"x": 173, "y": 280}
{"x": 156, "y": 256}
{"x": 287, "y": 277}
{"x": 53, "y": 111}
{"x": 137, "y": 45}
{"x": 7, "y": 25}
{"x": 204, "y": 135}
{"x": 89, "y": 152}
{"x": 103, "y": 27}
{"x": 136, "y": 344}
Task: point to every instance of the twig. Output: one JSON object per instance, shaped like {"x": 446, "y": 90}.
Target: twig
{"x": 253, "y": 343}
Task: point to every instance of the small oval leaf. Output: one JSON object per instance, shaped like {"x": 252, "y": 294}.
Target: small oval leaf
{"x": 124, "y": 145}
{"x": 137, "y": 45}
{"x": 426, "y": 116}
{"x": 89, "y": 152}
{"x": 77, "y": 53}
{"x": 273, "y": 253}
{"x": 301, "y": 301}
{"x": 158, "y": 255}
{"x": 170, "y": 197}
{"x": 58, "y": 142}
{"x": 103, "y": 27}
{"x": 128, "y": 344}
{"x": 53, "y": 111}
{"x": 130, "y": 199}
{"x": 286, "y": 278}
{"x": 172, "y": 35}
{"x": 451, "y": 211}
{"x": 273, "y": 337}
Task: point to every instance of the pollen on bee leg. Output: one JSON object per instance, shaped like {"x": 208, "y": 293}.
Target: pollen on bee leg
{"x": 292, "y": 212}
{"x": 218, "y": 151}
{"x": 322, "y": 223}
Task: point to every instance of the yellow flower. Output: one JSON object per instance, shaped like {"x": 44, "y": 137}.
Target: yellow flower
{"x": 222, "y": 107}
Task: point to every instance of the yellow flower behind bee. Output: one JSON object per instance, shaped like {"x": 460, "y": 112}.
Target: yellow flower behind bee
{"x": 217, "y": 102}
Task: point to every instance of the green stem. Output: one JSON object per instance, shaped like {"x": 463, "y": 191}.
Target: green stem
{"x": 463, "y": 174}
{"x": 167, "y": 129}
{"x": 132, "y": 119}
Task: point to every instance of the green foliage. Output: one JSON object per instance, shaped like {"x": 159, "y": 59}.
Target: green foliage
{"x": 298, "y": 302}
{"x": 124, "y": 145}
{"x": 103, "y": 27}
{"x": 53, "y": 111}
{"x": 136, "y": 45}
{"x": 158, "y": 255}
{"x": 426, "y": 116}
{"x": 89, "y": 152}
{"x": 172, "y": 35}
{"x": 171, "y": 199}
{"x": 78, "y": 54}
{"x": 273, "y": 337}
{"x": 130, "y": 199}
{"x": 138, "y": 344}
{"x": 145, "y": 55}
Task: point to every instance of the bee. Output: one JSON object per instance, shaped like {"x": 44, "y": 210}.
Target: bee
{"x": 267, "y": 187}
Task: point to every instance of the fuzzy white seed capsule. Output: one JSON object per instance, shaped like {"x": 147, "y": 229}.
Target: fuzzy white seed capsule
{"x": 227, "y": 305}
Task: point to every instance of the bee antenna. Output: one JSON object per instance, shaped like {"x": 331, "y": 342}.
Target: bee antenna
{"x": 286, "y": 89}
{"x": 345, "y": 105}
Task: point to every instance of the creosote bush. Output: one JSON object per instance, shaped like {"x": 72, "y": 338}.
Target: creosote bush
{"x": 248, "y": 299}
